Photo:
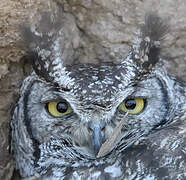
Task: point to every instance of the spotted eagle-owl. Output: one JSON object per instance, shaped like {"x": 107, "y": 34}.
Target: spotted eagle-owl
{"x": 99, "y": 121}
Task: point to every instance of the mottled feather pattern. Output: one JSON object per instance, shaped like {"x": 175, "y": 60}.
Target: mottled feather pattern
{"x": 56, "y": 148}
{"x": 43, "y": 47}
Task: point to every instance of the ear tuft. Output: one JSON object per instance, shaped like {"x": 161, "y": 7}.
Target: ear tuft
{"x": 42, "y": 43}
{"x": 155, "y": 27}
{"x": 146, "y": 49}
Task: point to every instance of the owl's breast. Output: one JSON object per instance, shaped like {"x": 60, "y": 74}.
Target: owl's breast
{"x": 106, "y": 171}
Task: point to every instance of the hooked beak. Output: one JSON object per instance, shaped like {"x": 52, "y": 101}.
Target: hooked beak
{"x": 97, "y": 135}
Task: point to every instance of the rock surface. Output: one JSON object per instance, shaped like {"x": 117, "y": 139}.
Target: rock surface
{"x": 94, "y": 29}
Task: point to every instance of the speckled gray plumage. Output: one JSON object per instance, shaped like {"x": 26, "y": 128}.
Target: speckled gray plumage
{"x": 59, "y": 148}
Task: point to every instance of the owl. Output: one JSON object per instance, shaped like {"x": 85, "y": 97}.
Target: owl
{"x": 99, "y": 121}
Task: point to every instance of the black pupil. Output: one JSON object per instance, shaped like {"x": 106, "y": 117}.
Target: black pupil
{"x": 62, "y": 107}
{"x": 130, "y": 104}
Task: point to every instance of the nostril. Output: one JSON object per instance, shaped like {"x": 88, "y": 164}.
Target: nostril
{"x": 103, "y": 128}
{"x": 96, "y": 125}
{"x": 90, "y": 126}
{"x": 90, "y": 130}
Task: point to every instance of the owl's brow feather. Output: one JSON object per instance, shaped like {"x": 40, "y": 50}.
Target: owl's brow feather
{"x": 149, "y": 88}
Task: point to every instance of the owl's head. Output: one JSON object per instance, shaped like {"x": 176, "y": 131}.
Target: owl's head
{"x": 86, "y": 111}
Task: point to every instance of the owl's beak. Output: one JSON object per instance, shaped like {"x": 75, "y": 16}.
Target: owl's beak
{"x": 97, "y": 135}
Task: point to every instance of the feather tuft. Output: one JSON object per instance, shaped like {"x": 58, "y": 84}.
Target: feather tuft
{"x": 43, "y": 44}
{"x": 146, "y": 49}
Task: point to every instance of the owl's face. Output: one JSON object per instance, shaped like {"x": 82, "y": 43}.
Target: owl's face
{"x": 72, "y": 114}
{"x": 90, "y": 109}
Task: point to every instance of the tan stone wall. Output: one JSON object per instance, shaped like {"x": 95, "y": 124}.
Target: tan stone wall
{"x": 95, "y": 30}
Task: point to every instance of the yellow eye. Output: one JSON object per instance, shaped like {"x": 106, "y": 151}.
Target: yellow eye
{"x": 59, "y": 109}
{"x": 132, "y": 105}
